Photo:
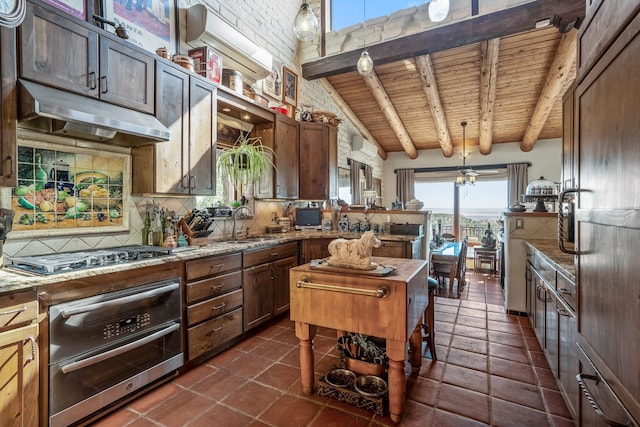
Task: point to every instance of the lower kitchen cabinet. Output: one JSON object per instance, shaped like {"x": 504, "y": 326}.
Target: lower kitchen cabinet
{"x": 19, "y": 360}
{"x": 314, "y": 249}
{"x": 214, "y": 300}
{"x": 400, "y": 249}
{"x": 265, "y": 278}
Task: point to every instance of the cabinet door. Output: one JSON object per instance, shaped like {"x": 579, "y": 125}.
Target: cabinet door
{"x": 8, "y": 109}
{"x": 551, "y": 330}
{"x": 391, "y": 250}
{"x": 539, "y": 309}
{"x": 202, "y": 137}
{"x": 19, "y": 377}
{"x": 568, "y": 142}
{"x": 169, "y": 160}
{"x": 287, "y": 154}
{"x": 281, "y": 284}
{"x": 126, "y": 76}
{"x": 58, "y": 52}
{"x": 318, "y": 167}
{"x": 257, "y": 284}
{"x": 568, "y": 355}
{"x": 531, "y": 294}
{"x": 314, "y": 249}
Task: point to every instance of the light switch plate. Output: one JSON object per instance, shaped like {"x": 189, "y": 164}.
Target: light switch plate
{"x": 519, "y": 223}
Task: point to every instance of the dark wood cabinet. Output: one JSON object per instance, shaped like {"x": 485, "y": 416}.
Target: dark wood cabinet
{"x": 318, "y": 169}
{"x": 8, "y": 109}
{"x": 265, "y": 276}
{"x": 400, "y": 249}
{"x": 314, "y": 249}
{"x": 282, "y": 137}
{"x": 70, "y": 55}
{"x": 186, "y": 163}
{"x": 569, "y": 146}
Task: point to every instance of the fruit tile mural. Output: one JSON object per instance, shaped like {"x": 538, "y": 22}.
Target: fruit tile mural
{"x": 63, "y": 188}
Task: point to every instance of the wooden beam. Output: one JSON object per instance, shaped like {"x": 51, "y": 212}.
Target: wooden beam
{"x": 556, "y": 78}
{"x": 489, "y": 70}
{"x": 355, "y": 121}
{"x": 430, "y": 87}
{"x": 505, "y": 22}
{"x": 375, "y": 86}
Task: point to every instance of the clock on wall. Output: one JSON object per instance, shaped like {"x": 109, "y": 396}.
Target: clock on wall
{"x": 12, "y": 12}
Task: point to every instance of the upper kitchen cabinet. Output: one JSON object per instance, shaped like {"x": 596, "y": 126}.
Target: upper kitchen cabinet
{"x": 8, "y": 102}
{"x": 318, "y": 169}
{"x": 282, "y": 137}
{"x": 72, "y": 56}
{"x": 186, "y": 163}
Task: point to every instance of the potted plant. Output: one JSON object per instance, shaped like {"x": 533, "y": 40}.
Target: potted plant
{"x": 246, "y": 161}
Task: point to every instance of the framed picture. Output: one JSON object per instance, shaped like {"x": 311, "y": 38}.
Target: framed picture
{"x": 290, "y": 93}
{"x": 272, "y": 84}
{"x": 151, "y": 24}
{"x": 76, "y": 8}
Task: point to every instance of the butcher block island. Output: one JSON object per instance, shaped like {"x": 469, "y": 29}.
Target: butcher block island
{"x": 387, "y": 306}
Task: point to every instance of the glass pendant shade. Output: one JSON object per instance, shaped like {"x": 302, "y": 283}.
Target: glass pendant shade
{"x": 438, "y": 10}
{"x": 365, "y": 64}
{"x": 305, "y": 25}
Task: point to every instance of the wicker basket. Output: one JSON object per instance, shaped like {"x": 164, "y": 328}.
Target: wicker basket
{"x": 323, "y": 116}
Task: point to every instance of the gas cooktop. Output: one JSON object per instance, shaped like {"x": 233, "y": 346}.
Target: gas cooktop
{"x": 82, "y": 260}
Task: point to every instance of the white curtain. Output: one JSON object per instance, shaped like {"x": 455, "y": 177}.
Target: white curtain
{"x": 356, "y": 191}
{"x": 405, "y": 185}
{"x": 517, "y": 181}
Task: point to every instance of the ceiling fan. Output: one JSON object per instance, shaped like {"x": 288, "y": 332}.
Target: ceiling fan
{"x": 467, "y": 175}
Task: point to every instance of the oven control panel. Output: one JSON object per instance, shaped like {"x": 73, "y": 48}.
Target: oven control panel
{"x": 126, "y": 326}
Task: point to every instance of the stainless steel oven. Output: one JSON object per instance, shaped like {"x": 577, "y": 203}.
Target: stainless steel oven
{"x": 104, "y": 347}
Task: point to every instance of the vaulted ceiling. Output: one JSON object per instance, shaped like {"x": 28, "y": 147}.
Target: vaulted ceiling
{"x": 497, "y": 72}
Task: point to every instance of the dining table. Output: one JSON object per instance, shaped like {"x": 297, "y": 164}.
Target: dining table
{"x": 444, "y": 262}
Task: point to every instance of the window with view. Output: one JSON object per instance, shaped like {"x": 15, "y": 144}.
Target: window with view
{"x": 345, "y": 13}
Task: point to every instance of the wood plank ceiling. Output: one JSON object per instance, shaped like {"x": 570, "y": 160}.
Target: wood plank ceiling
{"x": 508, "y": 89}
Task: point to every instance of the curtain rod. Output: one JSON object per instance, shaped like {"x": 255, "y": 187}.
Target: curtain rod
{"x": 455, "y": 168}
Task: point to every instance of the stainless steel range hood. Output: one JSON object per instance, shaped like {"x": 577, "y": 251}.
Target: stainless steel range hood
{"x": 49, "y": 110}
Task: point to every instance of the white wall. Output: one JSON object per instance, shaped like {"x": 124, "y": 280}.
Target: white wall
{"x": 545, "y": 159}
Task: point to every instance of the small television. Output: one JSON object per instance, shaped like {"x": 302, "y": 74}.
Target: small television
{"x": 308, "y": 219}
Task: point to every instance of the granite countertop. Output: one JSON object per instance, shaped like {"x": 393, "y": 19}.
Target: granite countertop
{"x": 15, "y": 280}
{"x": 551, "y": 252}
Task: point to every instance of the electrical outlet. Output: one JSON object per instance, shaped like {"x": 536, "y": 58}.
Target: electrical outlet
{"x": 519, "y": 223}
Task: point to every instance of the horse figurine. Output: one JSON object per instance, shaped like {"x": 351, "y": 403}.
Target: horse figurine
{"x": 354, "y": 253}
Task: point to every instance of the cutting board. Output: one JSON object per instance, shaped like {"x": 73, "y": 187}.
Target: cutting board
{"x": 380, "y": 270}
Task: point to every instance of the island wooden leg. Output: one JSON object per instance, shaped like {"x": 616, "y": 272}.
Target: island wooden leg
{"x": 305, "y": 333}
{"x": 415, "y": 349}
{"x": 396, "y": 354}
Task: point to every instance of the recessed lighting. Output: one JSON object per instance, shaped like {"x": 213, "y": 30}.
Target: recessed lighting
{"x": 226, "y": 109}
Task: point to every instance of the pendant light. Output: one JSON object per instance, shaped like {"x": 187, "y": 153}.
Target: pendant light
{"x": 467, "y": 175}
{"x": 365, "y": 63}
{"x": 305, "y": 25}
{"x": 438, "y": 10}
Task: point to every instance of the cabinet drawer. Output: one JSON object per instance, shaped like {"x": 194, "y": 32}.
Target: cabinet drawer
{"x": 260, "y": 256}
{"x": 390, "y": 249}
{"x": 204, "y": 267}
{"x": 213, "y": 333}
{"x": 567, "y": 290}
{"x": 17, "y": 309}
{"x": 214, "y": 307}
{"x": 545, "y": 269}
{"x": 213, "y": 286}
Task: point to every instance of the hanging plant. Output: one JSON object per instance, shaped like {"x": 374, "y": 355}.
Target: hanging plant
{"x": 246, "y": 161}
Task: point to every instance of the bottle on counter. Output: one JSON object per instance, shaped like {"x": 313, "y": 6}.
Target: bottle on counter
{"x": 146, "y": 229}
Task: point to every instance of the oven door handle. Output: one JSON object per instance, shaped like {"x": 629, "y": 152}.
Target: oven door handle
{"x": 119, "y": 301}
{"x": 80, "y": 364}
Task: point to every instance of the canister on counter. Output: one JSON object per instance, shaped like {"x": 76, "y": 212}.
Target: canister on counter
{"x": 232, "y": 79}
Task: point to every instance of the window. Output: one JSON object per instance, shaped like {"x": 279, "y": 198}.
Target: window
{"x": 345, "y": 13}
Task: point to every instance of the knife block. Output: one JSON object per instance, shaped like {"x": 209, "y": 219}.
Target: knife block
{"x": 191, "y": 235}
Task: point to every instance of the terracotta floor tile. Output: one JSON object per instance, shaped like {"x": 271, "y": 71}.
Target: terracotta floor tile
{"x": 279, "y": 376}
{"x": 532, "y": 344}
{"x": 180, "y": 409}
{"x": 332, "y": 417}
{"x": 223, "y": 359}
{"x": 472, "y": 312}
{"x": 512, "y": 370}
{"x": 447, "y": 301}
{"x": 141, "y": 422}
{"x": 422, "y": 390}
{"x": 508, "y": 352}
{"x": 507, "y": 414}
{"x": 441, "y": 308}
{"x": 545, "y": 378}
{"x": 555, "y": 403}
{"x": 118, "y": 418}
{"x": 273, "y": 350}
{"x": 249, "y": 344}
{"x": 415, "y": 415}
{"x": 432, "y": 370}
{"x": 444, "y": 327}
{"x": 470, "y": 331}
{"x": 195, "y": 375}
{"x": 272, "y": 330}
{"x": 287, "y": 336}
{"x": 252, "y": 398}
{"x": 502, "y": 317}
{"x": 495, "y": 308}
{"x": 447, "y": 419}
{"x": 464, "y": 402}
{"x": 538, "y": 359}
{"x": 507, "y": 327}
{"x": 446, "y": 317}
{"x": 468, "y": 359}
{"x": 290, "y": 410}
{"x": 471, "y": 321}
{"x": 527, "y": 331}
{"x": 466, "y": 378}
{"x": 469, "y": 344}
{"x": 292, "y": 358}
{"x": 516, "y": 392}
{"x": 562, "y": 422}
{"x": 223, "y": 416}
{"x": 476, "y": 305}
{"x": 155, "y": 397}
{"x": 513, "y": 340}
{"x": 219, "y": 385}
{"x": 324, "y": 344}
{"x": 325, "y": 363}
{"x": 249, "y": 365}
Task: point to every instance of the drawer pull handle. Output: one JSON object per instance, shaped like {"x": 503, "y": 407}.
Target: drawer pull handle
{"x": 215, "y": 288}
{"x": 564, "y": 312}
{"x": 381, "y": 292}
{"x": 31, "y": 358}
{"x": 218, "y": 307}
{"x": 218, "y": 329}
{"x": 16, "y": 311}
{"x": 566, "y": 291}
{"x": 596, "y": 407}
